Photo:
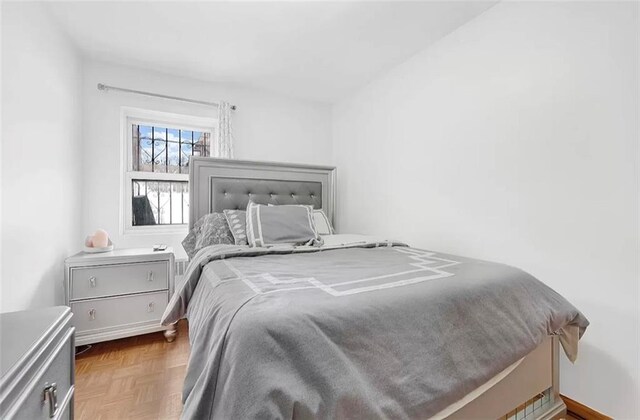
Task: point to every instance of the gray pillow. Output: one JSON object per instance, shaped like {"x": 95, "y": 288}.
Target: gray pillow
{"x": 323, "y": 225}
{"x": 290, "y": 224}
{"x": 211, "y": 229}
{"x": 238, "y": 225}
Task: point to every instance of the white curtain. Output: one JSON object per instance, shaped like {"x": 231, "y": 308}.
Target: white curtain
{"x": 223, "y": 145}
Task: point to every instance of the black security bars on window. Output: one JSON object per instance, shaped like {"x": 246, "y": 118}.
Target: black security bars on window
{"x": 150, "y": 148}
{"x": 153, "y": 202}
{"x": 164, "y": 150}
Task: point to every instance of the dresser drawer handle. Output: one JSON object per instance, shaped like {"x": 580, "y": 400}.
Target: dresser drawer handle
{"x": 151, "y": 307}
{"x": 92, "y": 281}
{"x": 150, "y": 276}
{"x": 50, "y": 394}
{"x": 92, "y": 314}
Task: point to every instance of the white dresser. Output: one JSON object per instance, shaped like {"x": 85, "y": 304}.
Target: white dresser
{"x": 37, "y": 363}
{"x": 119, "y": 293}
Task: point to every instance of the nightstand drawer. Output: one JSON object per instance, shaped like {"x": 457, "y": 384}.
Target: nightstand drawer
{"x": 118, "y": 279}
{"x": 101, "y": 314}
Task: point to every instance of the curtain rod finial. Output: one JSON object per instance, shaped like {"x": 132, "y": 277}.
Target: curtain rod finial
{"x": 101, "y": 86}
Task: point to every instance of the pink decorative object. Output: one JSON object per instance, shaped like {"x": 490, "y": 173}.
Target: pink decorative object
{"x": 100, "y": 239}
{"x": 89, "y": 241}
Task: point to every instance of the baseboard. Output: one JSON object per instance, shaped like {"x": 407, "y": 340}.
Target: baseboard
{"x": 581, "y": 411}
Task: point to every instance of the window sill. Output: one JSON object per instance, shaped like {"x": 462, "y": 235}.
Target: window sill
{"x": 155, "y": 230}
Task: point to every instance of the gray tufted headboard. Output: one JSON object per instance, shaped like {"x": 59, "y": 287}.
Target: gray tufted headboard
{"x": 218, "y": 184}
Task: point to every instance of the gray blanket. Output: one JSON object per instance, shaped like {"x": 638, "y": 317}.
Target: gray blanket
{"x": 359, "y": 331}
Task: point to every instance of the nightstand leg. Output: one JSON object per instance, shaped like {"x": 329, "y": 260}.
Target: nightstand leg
{"x": 171, "y": 332}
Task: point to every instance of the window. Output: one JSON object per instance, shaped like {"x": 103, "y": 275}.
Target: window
{"x": 156, "y": 187}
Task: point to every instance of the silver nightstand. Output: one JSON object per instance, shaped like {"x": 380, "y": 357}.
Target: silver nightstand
{"x": 119, "y": 293}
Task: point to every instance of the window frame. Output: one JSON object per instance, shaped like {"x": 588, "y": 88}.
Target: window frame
{"x": 130, "y": 116}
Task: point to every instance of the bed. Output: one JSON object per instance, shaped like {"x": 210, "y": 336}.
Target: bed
{"x": 360, "y": 327}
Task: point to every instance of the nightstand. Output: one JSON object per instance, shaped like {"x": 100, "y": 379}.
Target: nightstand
{"x": 119, "y": 293}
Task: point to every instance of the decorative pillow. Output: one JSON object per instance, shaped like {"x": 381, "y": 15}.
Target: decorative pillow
{"x": 211, "y": 229}
{"x": 290, "y": 224}
{"x": 238, "y": 225}
{"x": 323, "y": 225}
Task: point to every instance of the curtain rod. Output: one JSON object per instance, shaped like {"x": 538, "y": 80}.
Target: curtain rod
{"x": 157, "y": 95}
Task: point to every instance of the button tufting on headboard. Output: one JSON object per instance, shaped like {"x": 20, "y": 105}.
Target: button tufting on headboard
{"x": 228, "y": 193}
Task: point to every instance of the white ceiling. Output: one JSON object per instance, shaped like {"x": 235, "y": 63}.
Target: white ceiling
{"x": 313, "y": 50}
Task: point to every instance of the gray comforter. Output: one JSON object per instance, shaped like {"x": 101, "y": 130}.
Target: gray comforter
{"x": 354, "y": 331}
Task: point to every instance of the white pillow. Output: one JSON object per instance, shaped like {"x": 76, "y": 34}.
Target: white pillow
{"x": 323, "y": 226}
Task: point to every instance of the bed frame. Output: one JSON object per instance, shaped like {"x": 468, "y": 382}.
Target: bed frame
{"x": 529, "y": 391}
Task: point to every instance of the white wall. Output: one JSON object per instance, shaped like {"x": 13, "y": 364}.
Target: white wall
{"x": 266, "y": 127}
{"x": 515, "y": 139}
{"x": 41, "y": 159}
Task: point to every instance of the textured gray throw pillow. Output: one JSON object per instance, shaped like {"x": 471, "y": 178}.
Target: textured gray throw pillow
{"x": 211, "y": 229}
{"x": 238, "y": 225}
{"x": 289, "y": 224}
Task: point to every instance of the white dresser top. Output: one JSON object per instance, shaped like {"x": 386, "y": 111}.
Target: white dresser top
{"x": 20, "y": 331}
{"x": 121, "y": 253}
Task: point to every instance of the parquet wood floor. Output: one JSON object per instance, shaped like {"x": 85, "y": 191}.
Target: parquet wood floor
{"x": 137, "y": 377}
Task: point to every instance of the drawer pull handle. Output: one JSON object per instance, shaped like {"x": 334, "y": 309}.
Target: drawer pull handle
{"x": 150, "y": 276}
{"x": 151, "y": 307}
{"x": 92, "y": 314}
{"x": 51, "y": 394}
{"x": 92, "y": 280}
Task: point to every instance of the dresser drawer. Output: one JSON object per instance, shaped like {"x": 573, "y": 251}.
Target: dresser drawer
{"x": 121, "y": 311}
{"x": 56, "y": 376}
{"x": 65, "y": 408}
{"x": 118, "y": 279}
